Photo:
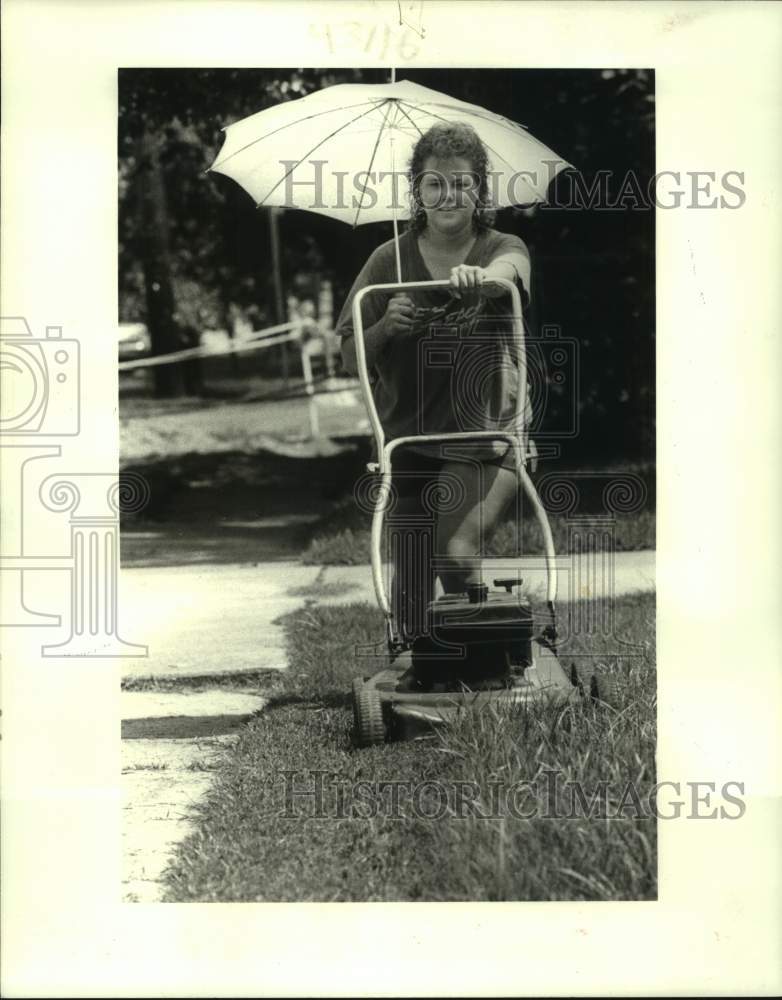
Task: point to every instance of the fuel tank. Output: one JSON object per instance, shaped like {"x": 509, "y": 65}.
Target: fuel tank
{"x": 480, "y": 634}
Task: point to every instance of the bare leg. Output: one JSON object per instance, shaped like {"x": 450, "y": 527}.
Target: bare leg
{"x": 486, "y": 491}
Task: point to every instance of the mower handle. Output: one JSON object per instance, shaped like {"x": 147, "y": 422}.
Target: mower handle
{"x": 385, "y": 449}
{"x": 363, "y": 374}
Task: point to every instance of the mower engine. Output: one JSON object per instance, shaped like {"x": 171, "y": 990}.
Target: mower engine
{"x": 478, "y": 639}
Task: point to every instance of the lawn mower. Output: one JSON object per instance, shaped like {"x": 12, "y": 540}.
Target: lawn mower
{"x": 475, "y": 648}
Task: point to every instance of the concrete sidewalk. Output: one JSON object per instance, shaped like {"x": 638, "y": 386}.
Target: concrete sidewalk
{"x": 212, "y": 621}
{"x": 207, "y": 620}
{"x": 577, "y": 579}
{"x": 171, "y": 745}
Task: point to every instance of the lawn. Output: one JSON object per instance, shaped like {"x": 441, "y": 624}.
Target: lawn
{"x": 341, "y": 537}
{"x": 296, "y": 813}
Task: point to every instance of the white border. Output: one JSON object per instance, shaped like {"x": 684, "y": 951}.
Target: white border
{"x": 716, "y": 927}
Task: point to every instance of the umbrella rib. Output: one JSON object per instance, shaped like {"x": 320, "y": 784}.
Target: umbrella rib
{"x": 390, "y": 104}
{"x": 412, "y": 122}
{"x": 505, "y": 123}
{"x": 306, "y": 118}
{"x": 489, "y": 116}
{"x": 490, "y": 148}
{"x": 308, "y": 153}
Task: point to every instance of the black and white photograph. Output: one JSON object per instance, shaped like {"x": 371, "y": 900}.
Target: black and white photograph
{"x": 440, "y": 643}
{"x": 374, "y": 526}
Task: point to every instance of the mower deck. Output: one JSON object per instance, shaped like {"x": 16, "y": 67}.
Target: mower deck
{"x": 389, "y": 705}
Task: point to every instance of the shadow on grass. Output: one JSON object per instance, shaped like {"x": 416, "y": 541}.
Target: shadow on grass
{"x": 329, "y": 699}
{"x": 182, "y": 727}
{"x": 317, "y": 591}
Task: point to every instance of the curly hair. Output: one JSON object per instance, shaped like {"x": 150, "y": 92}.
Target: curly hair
{"x": 445, "y": 141}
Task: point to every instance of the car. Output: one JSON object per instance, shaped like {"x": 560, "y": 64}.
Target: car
{"x": 133, "y": 341}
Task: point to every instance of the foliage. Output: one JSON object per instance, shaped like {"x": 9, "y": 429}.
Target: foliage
{"x": 594, "y": 267}
{"x": 218, "y": 241}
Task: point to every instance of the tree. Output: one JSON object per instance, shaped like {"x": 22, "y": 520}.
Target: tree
{"x": 594, "y": 267}
{"x": 179, "y": 225}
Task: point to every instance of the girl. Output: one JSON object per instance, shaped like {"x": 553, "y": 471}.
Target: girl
{"x": 441, "y": 361}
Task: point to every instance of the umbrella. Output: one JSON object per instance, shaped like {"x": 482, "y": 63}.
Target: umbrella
{"x": 343, "y": 151}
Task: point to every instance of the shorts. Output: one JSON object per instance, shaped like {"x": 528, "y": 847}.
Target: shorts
{"x": 416, "y": 465}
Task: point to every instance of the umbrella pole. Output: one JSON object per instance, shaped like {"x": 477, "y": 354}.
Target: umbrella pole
{"x": 393, "y": 200}
{"x": 396, "y": 247}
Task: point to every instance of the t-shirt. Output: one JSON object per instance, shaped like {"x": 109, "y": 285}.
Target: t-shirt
{"x": 457, "y": 369}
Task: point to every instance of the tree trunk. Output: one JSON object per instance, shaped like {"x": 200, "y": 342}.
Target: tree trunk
{"x": 156, "y": 263}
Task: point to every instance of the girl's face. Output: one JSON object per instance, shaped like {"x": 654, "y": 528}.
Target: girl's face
{"x": 448, "y": 192}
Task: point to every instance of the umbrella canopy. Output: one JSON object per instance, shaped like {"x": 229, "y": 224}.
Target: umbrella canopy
{"x": 344, "y": 150}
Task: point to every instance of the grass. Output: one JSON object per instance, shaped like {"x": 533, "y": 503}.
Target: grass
{"x": 245, "y": 680}
{"x": 288, "y": 818}
{"x": 342, "y": 537}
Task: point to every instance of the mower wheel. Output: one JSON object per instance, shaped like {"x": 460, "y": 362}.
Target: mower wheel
{"x": 368, "y": 715}
{"x": 603, "y": 688}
